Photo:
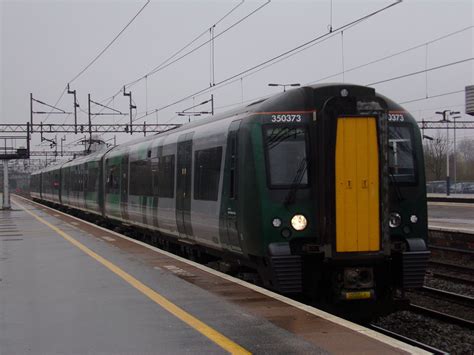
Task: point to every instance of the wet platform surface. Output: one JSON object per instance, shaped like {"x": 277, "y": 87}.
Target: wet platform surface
{"x": 68, "y": 287}
{"x": 451, "y": 216}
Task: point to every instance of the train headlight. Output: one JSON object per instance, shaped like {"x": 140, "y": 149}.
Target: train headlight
{"x": 299, "y": 222}
{"x": 395, "y": 220}
{"x": 413, "y": 218}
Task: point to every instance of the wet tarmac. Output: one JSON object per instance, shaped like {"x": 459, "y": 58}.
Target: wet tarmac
{"x": 454, "y": 216}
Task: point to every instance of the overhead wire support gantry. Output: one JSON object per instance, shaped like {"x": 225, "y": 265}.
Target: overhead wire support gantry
{"x": 76, "y": 105}
{"x": 188, "y": 113}
{"x": 32, "y": 112}
{"x": 423, "y": 124}
{"x": 131, "y": 107}
{"x": 100, "y": 128}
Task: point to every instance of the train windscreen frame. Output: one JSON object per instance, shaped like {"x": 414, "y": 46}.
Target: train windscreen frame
{"x": 286, "y": 156}
{"x": 402, "y": 163}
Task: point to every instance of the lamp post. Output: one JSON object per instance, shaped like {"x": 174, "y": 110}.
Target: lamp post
{"x": 284, "y": 85}
{"x": 454, "y": 148}
{"x": 446, "y": 114}
{"x": 445, "y": 119}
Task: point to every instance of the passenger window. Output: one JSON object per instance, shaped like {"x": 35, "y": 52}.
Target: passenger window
{"x": 112, "y": 183}
{"x": 206, "y": 173}
{"x": 140, "y": 175}
{"x": 163, "y": 176}
{"x": 91, "y": 179}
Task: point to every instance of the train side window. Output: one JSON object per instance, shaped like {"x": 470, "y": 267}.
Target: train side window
{"x": 233, "y": 166}
{"x": 92, "y": 179}
{"x": 140, "y": 175}
{"x": 165, "y": 176}
{"x": 67, "y": 179}
{"x": 207, "y": 167}
{"x": 56, "y": 182}
{"x": 112, "y": 183}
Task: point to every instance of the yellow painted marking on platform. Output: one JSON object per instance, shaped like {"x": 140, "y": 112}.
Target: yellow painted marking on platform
{"x": 178, "y": 312}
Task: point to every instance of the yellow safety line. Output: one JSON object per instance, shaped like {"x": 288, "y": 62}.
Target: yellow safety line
{"x": 179, "y": 313}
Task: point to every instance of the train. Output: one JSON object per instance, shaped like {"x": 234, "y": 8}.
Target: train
{"x": 317, "y": 191}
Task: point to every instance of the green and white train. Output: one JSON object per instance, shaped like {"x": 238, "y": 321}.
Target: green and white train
{"x": 320, "y": 190}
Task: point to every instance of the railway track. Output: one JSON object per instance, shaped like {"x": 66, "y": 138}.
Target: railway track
{"x": 448, "y": 296}
{"x": 441, "y": 316}
{"x": 407, "y": 340}
{"x": 453, "y": 278}
{"x": 458, "y": 251}
{"x": 453, "y": 298}
{"x": 452, "y": 267}
{"x": 459, "y": 274}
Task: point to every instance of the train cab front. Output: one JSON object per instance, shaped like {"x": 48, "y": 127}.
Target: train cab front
{"x": 338, "y": 191}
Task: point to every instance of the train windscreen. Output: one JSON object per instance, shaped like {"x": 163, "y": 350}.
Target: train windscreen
{"x": 401, "y": 155}
{"x": 286, "y": 156}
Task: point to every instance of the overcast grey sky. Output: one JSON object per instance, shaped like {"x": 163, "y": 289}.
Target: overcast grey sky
{"x": 44, "y": 44}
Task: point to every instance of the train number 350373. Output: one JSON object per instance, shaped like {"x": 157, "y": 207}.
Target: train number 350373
{"x": 286, "y": 118}
{"x": 396, "y": 117}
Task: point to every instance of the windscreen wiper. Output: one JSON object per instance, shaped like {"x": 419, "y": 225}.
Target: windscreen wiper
{"x": 398, "y": 192}
{"x": 279, "y": 137}
{"x": 302, "y": 167}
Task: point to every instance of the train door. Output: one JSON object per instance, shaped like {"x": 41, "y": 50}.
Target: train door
{"x": 230, "y": 206}
{"x": 350, "y": 165}
{"x": 357, "y": 185}
{"x": 124, "y": 186}
{"x": 183, "y": 185}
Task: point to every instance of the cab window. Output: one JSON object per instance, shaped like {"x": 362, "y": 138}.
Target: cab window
{"x": 286, "y": 156}
{"x": 401, "y": 156}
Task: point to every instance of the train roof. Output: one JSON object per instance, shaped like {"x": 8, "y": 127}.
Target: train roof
{"x": 95, "y": 156}
{"x": 262, "y": 105}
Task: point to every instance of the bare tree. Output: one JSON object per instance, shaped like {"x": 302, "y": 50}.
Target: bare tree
{"x": 465, "y": 158}
{"x": 435, "y": 157}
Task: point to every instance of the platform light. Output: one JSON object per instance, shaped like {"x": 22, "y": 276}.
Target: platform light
{"x": 299, "y": 222}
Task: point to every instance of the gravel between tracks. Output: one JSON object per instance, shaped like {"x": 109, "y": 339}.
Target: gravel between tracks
{"x": 441, "y": 335}
{"x": 443, "y": 306}
{"x": 449, "y": 286}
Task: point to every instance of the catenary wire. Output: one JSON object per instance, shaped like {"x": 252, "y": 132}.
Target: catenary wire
{"x": 358, "y": 66}
{"x": 96, "y": 58}
{"x": 421, "y": 71}
{"x": 110, "y": 44}
{"x": 167, "y": 62}
{"x": 392, "y": 55}
{"x": 274, "y": 59}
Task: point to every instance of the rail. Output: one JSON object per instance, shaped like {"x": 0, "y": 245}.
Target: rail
{"x": 441, "y": 316}
{"x": 407, "y": 340}
{"x": 450, "y": 296}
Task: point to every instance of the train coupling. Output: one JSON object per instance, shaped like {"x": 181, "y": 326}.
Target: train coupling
{"x": 358, "y": 283}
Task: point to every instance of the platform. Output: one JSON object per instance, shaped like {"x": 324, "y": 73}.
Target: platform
{"x": 451, "y": 216}
{"x": 70, "y": 287}
{"x": 442, "y": 197}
